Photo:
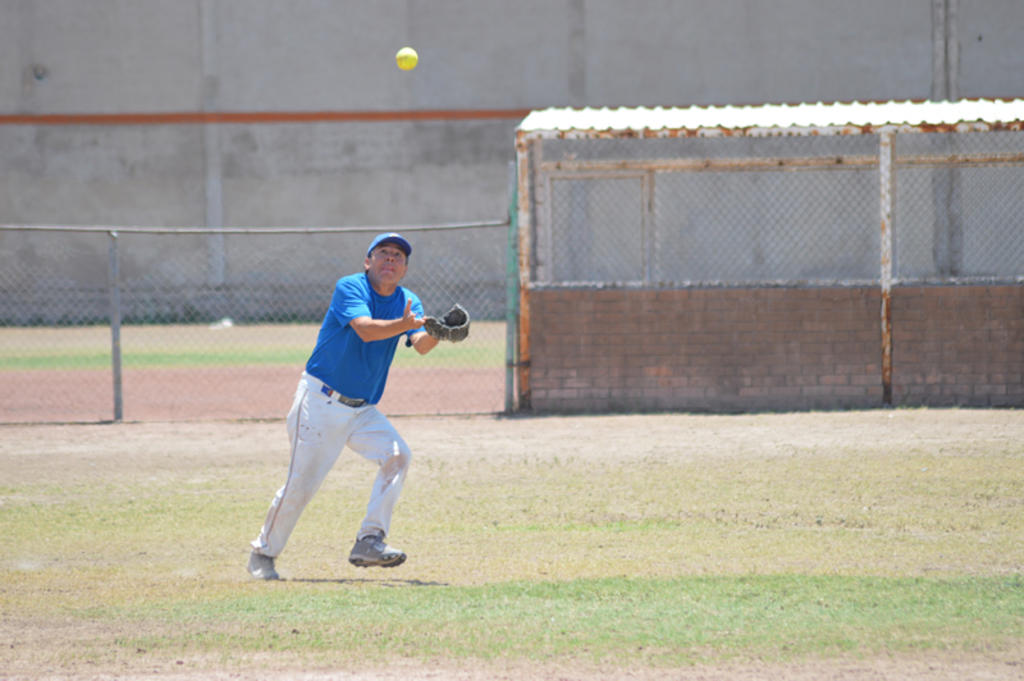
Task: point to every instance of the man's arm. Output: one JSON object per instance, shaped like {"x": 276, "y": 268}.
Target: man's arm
{"x": 369, "y": 329}
{"x": 423, "y": 342}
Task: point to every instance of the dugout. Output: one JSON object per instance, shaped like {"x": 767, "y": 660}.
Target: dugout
{"x": 778, "y": 257}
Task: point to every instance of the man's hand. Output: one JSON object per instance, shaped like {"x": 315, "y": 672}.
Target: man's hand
{"x": 410, "y": 318}
{"x": 369, "y": 329}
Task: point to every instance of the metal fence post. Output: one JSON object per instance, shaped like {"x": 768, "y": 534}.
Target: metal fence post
{"x": 885, "y": 174}
{"x": 115, "y": 326}
{"x": 511, "y": 290}
{"x": 523, "y": 238}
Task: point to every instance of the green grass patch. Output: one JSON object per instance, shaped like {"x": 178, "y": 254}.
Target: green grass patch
{"x": 481, "y": 355}
{"x": 656, "y": 622}
{"x": 198, "y": 346}
{"x": 198, "y": 357}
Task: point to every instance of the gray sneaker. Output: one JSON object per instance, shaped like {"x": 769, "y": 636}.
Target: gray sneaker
{"x": 371, "y": 551}
{"x": 262, "y": 567}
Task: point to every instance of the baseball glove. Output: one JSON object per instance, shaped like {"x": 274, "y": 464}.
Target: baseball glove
{"x": 454, "y": 326}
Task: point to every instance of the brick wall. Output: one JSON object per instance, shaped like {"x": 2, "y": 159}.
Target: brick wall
{"x": 705, "y": 349}
{"x": 772, "y": 349}
{"x": 958, "y": 346}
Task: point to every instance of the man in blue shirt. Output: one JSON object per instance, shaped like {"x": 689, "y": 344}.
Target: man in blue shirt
{"x": 335, "y": 405}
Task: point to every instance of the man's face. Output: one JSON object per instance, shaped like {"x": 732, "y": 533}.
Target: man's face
{"x": 386, "y": 264}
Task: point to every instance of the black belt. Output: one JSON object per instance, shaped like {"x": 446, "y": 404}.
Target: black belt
{"x": 335, "y": 395}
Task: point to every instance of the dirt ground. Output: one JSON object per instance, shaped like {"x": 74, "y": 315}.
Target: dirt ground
{"x": 69, "y": 452}
{"x": 261, "y": 392}
{"x": 940, "y": 667}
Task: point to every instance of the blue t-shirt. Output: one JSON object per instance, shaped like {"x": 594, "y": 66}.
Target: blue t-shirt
{"x": 342, "y": 359}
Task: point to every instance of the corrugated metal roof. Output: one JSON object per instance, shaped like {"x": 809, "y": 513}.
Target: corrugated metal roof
{"x": 779, "y": 119}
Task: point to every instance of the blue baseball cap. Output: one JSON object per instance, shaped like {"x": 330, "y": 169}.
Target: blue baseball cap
{"x": 391, "y": 238}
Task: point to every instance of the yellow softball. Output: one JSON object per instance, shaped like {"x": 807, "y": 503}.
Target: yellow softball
{"x": 407, "y": 58}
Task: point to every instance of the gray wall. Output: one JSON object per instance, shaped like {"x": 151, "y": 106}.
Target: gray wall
{"x": 131, "y": 58}
{"x": 156, "y": 56}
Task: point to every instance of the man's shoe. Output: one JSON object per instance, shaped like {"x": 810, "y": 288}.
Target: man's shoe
{"x": 262, "y": 567}
{"x": 371, "y": 551}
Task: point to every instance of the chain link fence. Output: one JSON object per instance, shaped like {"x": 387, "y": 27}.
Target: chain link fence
{"x": 108, "y": 323}
{"x": 823, "y": 197}
{"x": 785, "y": 210}
{"x": 959, "y": 207}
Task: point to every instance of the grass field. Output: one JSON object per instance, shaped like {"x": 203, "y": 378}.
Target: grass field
{"x": 200, "y": 345}
{"x": 568, "y": 547}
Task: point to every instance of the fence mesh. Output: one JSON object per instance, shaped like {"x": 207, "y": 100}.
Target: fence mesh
{"x": 786, "y": 210}
{"x": 960, "y": 218}
{"x": 751, "y": 226}
{"x": 219, "y": 324}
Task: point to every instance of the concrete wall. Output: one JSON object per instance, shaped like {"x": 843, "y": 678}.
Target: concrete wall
{"x": 255, "y": 56}
{"x": 102, "y": 103}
